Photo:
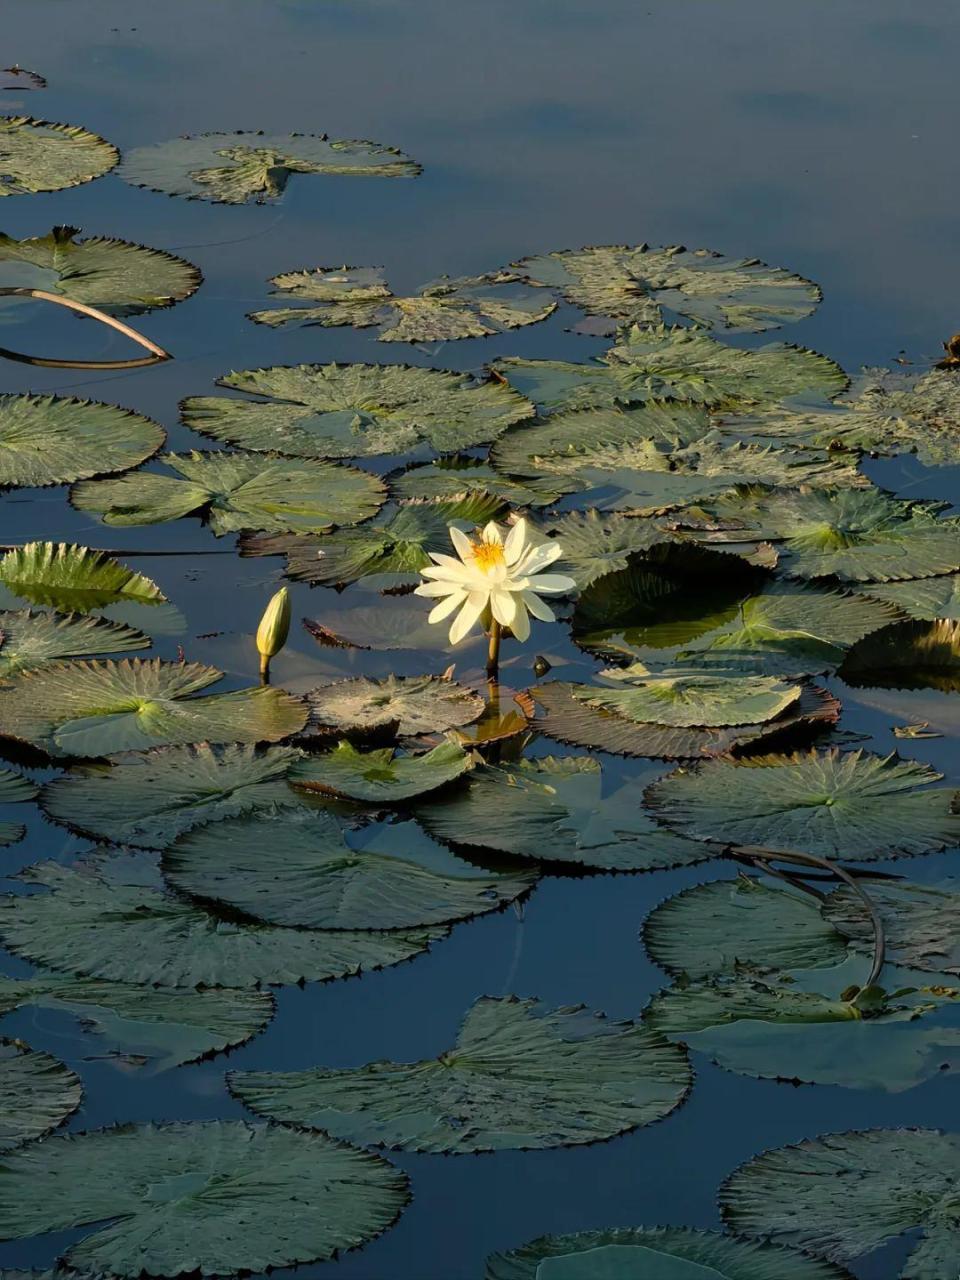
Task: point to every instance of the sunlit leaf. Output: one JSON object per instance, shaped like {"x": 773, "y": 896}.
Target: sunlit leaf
{"x": 74, "y": 579}
{"x": 380, "y": 777}
{"x": 452, "y": 477}
{"x": 37, "y": 1093}
{"x": 597, "y": 543}
{"x": 688, "y": 697}
{"x": 36, "y": 155}
{"x": 413, "y": 704}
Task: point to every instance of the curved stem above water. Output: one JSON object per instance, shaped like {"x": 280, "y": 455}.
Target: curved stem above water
{"x": 157, "y": 353}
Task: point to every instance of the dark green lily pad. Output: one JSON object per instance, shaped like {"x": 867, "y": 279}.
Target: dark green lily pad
{"x": 689, "y": 697}
{"x": 521, "y": 1076}
{"x": 921, "y": 922}
{"x": 29, "y": 640}
{"x": 36, "y": 155}
{"x": 14, "y": 789}
{"x": 380, "y": 777}
{"x": 926, "y": 599}
{"x": 213, "y": 1197}
{"x": 37, "y": 1093}
{"x": 412, "y": 704}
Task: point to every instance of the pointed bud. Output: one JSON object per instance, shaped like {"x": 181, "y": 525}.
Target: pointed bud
{"x": 274, "y": 628}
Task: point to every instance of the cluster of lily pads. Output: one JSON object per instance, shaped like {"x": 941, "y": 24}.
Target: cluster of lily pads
{"x": 728, "y": 553}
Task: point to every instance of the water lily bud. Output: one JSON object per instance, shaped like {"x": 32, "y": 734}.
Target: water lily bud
{"x": 274, "y": 628}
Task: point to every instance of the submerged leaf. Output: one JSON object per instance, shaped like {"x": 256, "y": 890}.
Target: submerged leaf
{"x": 521, "y": 1076}
{"x": 380, "y": 777}
{"x": 411, "y": 704}
{"x": 36, "y": 155}
{"x": 29, "y": 640}
{"x": 37, "y": 1093}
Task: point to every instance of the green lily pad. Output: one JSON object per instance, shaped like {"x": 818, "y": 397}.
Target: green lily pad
{"x": 14, "y": 789}
{"x": 37, "y": 1093}
{"x": 212, "y": 1197}
{"x": 29, "y": 640}
{"x": 926, "y": 599}
{"x": 658, "y": 363}
{"x": 253, "y": 167}
{"x": 298, "y": 870}
{"x": 236, "y": 491}
{"x": 637, "y": 285}
{"x": 659, "y": 1253}
{"x": 849, "y": 805}
{"x": 552, "y": 809}
{"x": 907, "y": 655}
{"x": 521, "y": 1076}
{"x": 100, "y": 708}
{"x": 110, "y": 916}
{"x": 596, "y": 543}
{"x": 57, "y": 439}
{"x": 115, "y": 276}
{"x": 146, "y": 1024}
{"x": 845, "y": 1194}
{"x": 397, "y": 623}
{"x": 148, "y": 800}
{"x": 355, "y": 410}
{"x": 921, "y": 922}
{"x": 460, "y": 474}
{"x": 412, "y": 704}
{"x": 380, "y": 777}
{"x": 688, "y": 697}
{"x": 36, "y": 155}
{"x": 74, "y": 579}
{"x": 446, "y": 309}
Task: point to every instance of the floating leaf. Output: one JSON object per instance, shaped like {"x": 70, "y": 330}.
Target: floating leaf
{"x": 213, "y": 1197}
{"x": 521, "y": 1076}
{"x": 148, "y": 800}
{"x": 167, "y": 1029}
{"x": 398, "y": 623}
{"x": 37, "y": 1093}
{"x": 298, "y": 870}
{"x": 570, "y": 719}
{"x": 253, "y": 167}
{"x": 686, "y": 697}
{"x": 115, "y": 276}
{"x": 660, "y": 1253}
{"x": 637, "y": 284}
{"x": 99, "y": 708}
{"x": 552, "y": 809}
{"x": 74, "y": 579}
{"x": 926, "y": 598}
{"x": 355, "y": 410}
{"x": 237, "y": 491}
{"x": 29, "y": 640}
{"x": 597, "y": 543}
{"x": 452, "y": 477}
{"x": 675, "y": 364}
{"x": 36, "y": 155}
{"x": 14, "y": 789}
{"x": 846, "y": 1194}
{"x": 921, "y": 922}
{"x": 849, "y": 805}
{"x": 907, "y": 655}
{"x": 469, "y": 307}
{"x": 109, "y": 916}
{"x": 411, "y": 704}
{"x": 380, "y": 777}
{"x": 57, "y": 439}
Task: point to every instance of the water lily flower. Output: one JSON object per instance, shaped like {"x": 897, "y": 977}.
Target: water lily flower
{"x": 273, "y": 629}
{"x": 496, "y": 580}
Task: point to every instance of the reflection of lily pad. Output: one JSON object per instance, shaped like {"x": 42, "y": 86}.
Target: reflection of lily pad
{"x": 36, "y": 155}
{"x": 37, "y": 1093}
{"x": 236, "y": 491}
{"x": 845, "y": 1194}
{"x": 74, "y": 579}
{"x": 213, "y": 1197}
{"x": 110, "y": 916}
{"x": 100, "y": 708}
{"x": 14, "y": 789}
{"x": 148, "y": 800}
{"x": 849, "y": 805}
{"x": 252, "y": 167}
{"x": 688, "y": 697}
{"x": 637, "y": 284}
{"x": 298, "y": 870}
{"x": 414, "y": 704}
{"x": 380, "y": 777}
{"x": 355, "y": 410}
{"x": 520, "y": 1076}
{"x": 552, "y": 809}
{"x": 655, "y": 1253}
{"x": 115, "y": 276}
{"x": 907, "y": 655}
{"x": 921, "y": 922}
{"x": 471, "y": 307}
{"x": 56, "y": 439}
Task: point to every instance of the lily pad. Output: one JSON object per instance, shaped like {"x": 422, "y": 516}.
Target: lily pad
{"x": 397, "y": 623}
{"x": 57, "y": 439}
{"x": 100, "y": 708}
{"x": 212, "y": 1197}
{"x": 446, "y": 309}
{"x": 298, "y": 870}
{"x": 115, "y": 276}
{"x": 552, "y": 810}
{"x": 675, "y": 364}
{"x": 845, "y": 1194}
{"x": 29, "y": 640}
{"x": 907, "y": 655}
{"x": 148, "y": 800}
{"x": 688, "y": 697}
{"x": 74, "y": 579}
{"x": 849, "y": 805}
{"x": 660, "y": 1253}
{"x": 452, "y": 477}
{"x": 921, "y": 922}
{"x": 36, "y": 155}
{"x": 411, "y": 704}
{"x": 925, "y": 598}
{"x": 110, "y": 916}
{"x": 596, "y": 543}
{"x": 14, "y": 789}
{"x": 637, "y": 285}
{"x": 236, "y": 491}
{"x": 380, "y": 777}
{"x": 355, "y": 410}
{"x": 37, "y": 1093}
{"x": 521, "y": 1076}
{"x": 146, "y": 1024}
{"x": 253, "y": 167}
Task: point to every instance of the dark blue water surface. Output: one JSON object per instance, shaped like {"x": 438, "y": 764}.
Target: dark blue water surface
{"x": 818, "y": 135}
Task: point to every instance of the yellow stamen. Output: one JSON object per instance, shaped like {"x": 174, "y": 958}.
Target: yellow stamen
{"x": 487, "y": 555}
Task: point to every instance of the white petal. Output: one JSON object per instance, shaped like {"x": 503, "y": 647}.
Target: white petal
{"x": 474, "y": 605}
{"x": 491, "y": 532}
{"x": 504, "y": 607}
{"x": 461, "y": 543}
{"x": 446, "y": 607}
{"x": 552, "y": 583}
{"x": 521, "y": 624}
{"x": 538, "y": 558}
{"x": 538, "y": 608}
{"x": 437, "y": 589}
{"x": 461, "y": 576}
{"x": 515, "y": 542}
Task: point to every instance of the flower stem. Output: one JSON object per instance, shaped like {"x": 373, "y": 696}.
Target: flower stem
{"x": 493, "y": 651}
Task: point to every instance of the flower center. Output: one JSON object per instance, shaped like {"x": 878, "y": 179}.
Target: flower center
{"x": 487, "y": 555}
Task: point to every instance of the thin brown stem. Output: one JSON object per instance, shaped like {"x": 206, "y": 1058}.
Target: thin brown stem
{"x": 493, "y": 650}
{"x": 157, "y": 353}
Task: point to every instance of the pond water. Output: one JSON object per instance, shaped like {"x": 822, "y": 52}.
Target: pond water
{"x": 818, "y": 136}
